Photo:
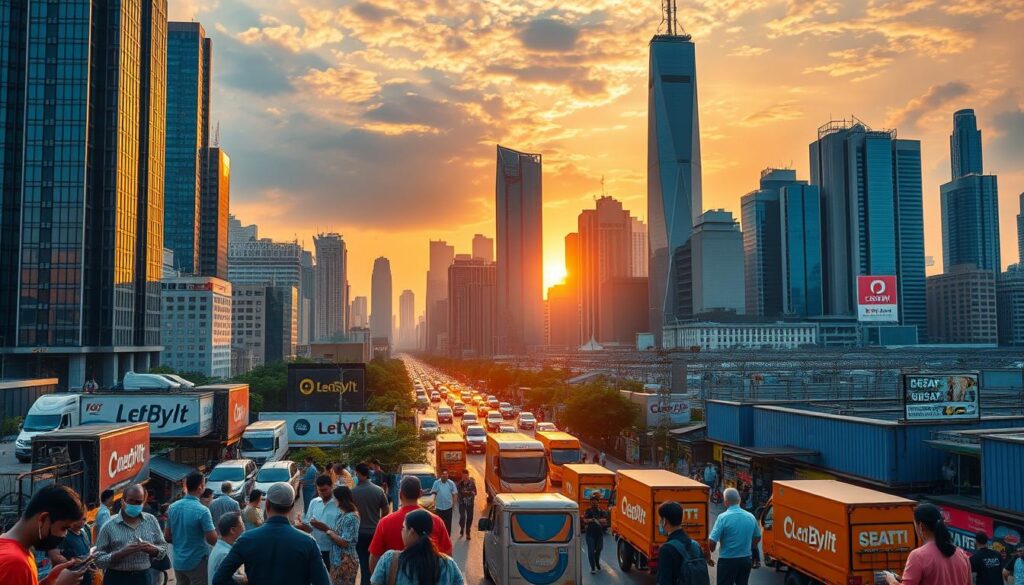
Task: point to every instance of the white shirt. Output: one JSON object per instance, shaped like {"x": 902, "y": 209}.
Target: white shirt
{"x": 326, "y": 513}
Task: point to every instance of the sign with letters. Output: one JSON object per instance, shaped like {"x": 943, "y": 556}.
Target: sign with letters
{"x": 322, "y": 428}
{"x": 941, "y": 397}
{"x": 326, "y": 388}
{"x": 877, "y": 299}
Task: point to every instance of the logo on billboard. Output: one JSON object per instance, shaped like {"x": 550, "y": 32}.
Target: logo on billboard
{"x": 320, "y": 388}
{"x": 301, "y": 427}
{"x": 941, "y": 396}
{"x": 94, "y": 407}
{"x": 812, "y": 536}
{"x": 122, "y": 462}
{"x": 877, "y": 299}
{"x": 634, "y": 512}
{"x": 308, "y": 386}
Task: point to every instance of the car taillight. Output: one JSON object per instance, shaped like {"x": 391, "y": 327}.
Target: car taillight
{"x": 854, "y": 580}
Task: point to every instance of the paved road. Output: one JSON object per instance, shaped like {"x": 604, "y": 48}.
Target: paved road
{"x": 469, "y": 554}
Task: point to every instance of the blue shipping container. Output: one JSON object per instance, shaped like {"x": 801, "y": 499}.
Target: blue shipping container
{"x": 730, "y": 422}
{"x": 1002, "y": 468}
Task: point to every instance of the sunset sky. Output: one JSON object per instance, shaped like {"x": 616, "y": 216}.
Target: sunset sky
{"x": 352, "y": 117}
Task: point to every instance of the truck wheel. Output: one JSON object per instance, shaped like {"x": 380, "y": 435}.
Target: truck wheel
{"x": 624, "y": 552}
{"x": 795, "y": 578}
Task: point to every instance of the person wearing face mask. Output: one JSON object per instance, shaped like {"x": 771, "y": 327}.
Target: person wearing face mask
{"x": 130, "y": 541}
{"x": 680, "y": 555}
{"x": 75, "y": 546}
{"x": 42, "y": 526}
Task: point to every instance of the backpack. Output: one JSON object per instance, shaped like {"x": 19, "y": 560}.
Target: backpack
{"x": 693, "y": 569}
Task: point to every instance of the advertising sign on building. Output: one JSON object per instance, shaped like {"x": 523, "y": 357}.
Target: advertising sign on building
{"x": 674, "y": 409}
{"x": 964, "y": 525}
{"x": 322, "y": 428}
{"x": 176, "y": 415}
{"x": 123, "y": 458}
{"x": 941, "y": 397}
{"x": 326, "y": 388}
{"x": 877, "y": 299}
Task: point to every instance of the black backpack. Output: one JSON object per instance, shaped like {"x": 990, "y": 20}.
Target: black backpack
{"x": 694, "y": 569}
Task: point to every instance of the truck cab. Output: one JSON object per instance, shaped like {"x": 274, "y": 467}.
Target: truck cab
{"x": 532, "y": 538}
{"x": 561, "y": 448}
{"x": 514, "y": 463}
{"x": 49, "y": 412}
{"x": 264, "y": 441}
{"x": 450, "y": 449}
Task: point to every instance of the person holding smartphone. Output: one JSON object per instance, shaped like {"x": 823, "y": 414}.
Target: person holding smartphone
{"x": 42, "y": 526}
{"x": 75, "y": 548}
{"x": 937, "y": 561}
{"x": 130, "y": 542}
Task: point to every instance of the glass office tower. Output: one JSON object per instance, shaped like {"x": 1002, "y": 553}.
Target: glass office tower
{"x": 82, "y": 153}
{"x": 673, "y": 168}
{"x": 800, "y": 221}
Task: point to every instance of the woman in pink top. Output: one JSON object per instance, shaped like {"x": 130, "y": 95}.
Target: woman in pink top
{"x": 938, "y": 561}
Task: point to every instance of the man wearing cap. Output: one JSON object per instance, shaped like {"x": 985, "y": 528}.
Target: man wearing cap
{"x": 276, "y": 552}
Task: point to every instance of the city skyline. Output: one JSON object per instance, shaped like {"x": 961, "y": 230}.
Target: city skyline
{"x": 285, "y": 70}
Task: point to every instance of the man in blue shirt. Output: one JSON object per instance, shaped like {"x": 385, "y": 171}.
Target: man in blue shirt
{"x": 737, "y": 532}
{"x": 444, "y": 491}
{"x": 276, "y": 552}
{"x": 190, "y": 529}
{"x": 308, "y": 481}
{"x": 103, "y": 514}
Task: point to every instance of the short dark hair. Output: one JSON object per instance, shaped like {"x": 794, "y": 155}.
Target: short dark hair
{"x": 323, "y": 479}
{"x": 411, "y": 487}
{"x": 981, "y": 538}
{"x": 60, "y": 502}
{"x": 363, "y": 470}
{"x": 375, "y": 461}
{"x": 193, "y": 481}
{"x": 255, "y": 495}
{"x": 106, "y": 495}
{"x": 227, "y": 522}
{"x": 309, "y": 459}
{"x": 672, "y": 513}
{"x": 207, "y": 493}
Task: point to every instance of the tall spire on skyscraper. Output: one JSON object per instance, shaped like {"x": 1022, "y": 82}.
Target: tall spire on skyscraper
{"x": 670, "y": 20}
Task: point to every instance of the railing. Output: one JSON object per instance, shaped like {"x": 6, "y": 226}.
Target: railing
{"x": 17, "y": 489}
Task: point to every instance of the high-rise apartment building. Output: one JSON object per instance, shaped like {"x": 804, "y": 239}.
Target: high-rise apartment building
{"x": 406, "y": 320}
{"x": 360, "y": 313}
{"x": 265, "y": 325}
{"x": 1010, "y": 306}
{"x": 562, "y": 309}
{"x": 800, "y": 238}
{"x": 188, "y": 122}
{"x": 472, "y": 309}
{"x": 970, "y": 202}
{"x": 1020, "y": 234}
{"x": 196, "y": 319}
{"x": 717, "y": 264}
{"x": 483, "y": 248}
{"x": 962, "y": 306}
{"x": 441, "y": 257}
{"x": 872, "y": 221}
{"x": 605, "y": 253}
{"x": 307, "y": 300}
{"x": 213, "y": 213}
{"x": 381, "y": 312}
{"x": 238, "y": 233}
{"x": 673, "y": 165}
{"x": 640, "y": 250}
{"x": 762, "y": 243}
{"x": 277, "y": 265}
{"x": 82, "y": 176}
{"x": 519, "y": 210}
{"x": 331, "y": 286}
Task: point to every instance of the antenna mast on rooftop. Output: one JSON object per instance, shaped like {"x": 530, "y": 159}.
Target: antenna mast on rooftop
{"x": 670, "y": 20}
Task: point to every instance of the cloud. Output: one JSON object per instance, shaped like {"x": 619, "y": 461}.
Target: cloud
{"x": 545, "y": 34}
{"x": 934, "y": 98}
{"x": 1007, "y": 131}
{"x": 780, "y": 112}
{"x": 748, "y": 51}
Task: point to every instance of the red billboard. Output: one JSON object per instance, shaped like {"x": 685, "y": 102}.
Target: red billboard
{"x": 877, "y": 299}
{"x": 124, "y": 458}
{"x": 238, "y": 411}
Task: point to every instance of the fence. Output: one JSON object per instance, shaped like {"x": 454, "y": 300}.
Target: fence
{"x": 17, "y": 489}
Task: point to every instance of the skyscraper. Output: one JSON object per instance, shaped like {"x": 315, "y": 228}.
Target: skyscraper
{"x": 188, "y": 123}
{"x": 381, "y": 313}
{"x": 81, "y": 173}
{"x": 279, "y": 267}
{"x": 519, "y": 210}
{"x": 800, "y": 235}
{"x": 965, "y": 145}
{"x": 483, "y": 247}
{"x": 640, "y": 250}
{"x": 213, "y": 221}
{"x": 970, "y": 202}
{"x": 360, "y": 312}
{"x": 717, "y": 264}
{"x": 441, "y": 257}
{"x": 563, "y": 302}
{"x": 962, "y": 306}
{"x": 331, "y": 286}
{"x": 1020, "y": 234}
{"x": 762, "y": 243}
{"x": 606, "y": 253}
{"x": 307, "y": 299}
{"x": 406, "y": 320}
{"x": 872, "y": 220}
{"x": 673, "y": 163}
{"x": 472, "y": 311}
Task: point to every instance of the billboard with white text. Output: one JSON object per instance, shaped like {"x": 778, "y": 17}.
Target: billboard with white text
{"x": 324, "y": 428}
{"x": 877, "y": 299}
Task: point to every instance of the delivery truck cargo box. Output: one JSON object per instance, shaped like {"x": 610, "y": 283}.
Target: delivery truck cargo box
{"x": 833, "y": 532}
{"x": 170, "y": 414}
{"x": 111, "y": 457}
{"x": 638, "y": 493}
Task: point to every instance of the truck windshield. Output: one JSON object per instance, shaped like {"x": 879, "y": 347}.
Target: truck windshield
{"x": 41, "y": 423}
{"x": 563, "y": 456}
{"x": 226, "y": 474}
{"x": 273, "y": 474}
{"x": 257, "y": 443}
{"x": 523, "y": 469}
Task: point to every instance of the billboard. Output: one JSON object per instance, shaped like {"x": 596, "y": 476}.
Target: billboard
{"x": 320, "y": 387}
{"x": 322, "y": 428}
{"x": 965, "y": 524}
{"x": 123, "y": 458}
{"x": 656, "y": 407}
{"x": 877, "y": 300}
{"x": 941, "y": 397}
{"x": 176, "y": 415}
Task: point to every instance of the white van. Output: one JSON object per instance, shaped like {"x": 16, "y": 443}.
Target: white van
{"x": 264, "y": 441}
{"x": 48, "y": 413}
{"x": 133, "y": 381}
{"x": 532, "y": 538}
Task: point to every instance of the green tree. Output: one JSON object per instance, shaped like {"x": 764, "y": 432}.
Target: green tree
{"x": 598, "y": 414}
{"x": 392, "y": 446}
{"x": 266, "y": 386}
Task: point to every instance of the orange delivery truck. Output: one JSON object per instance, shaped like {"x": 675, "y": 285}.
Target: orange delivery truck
{"x": 581, "y": 480}
{"x": 830, "y": 532}
{"x": 561, "y": 448}
{"x": 450, "y": 450}
{"x": 638, "y": 493}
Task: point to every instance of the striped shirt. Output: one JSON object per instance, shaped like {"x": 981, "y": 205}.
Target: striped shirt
{"x": 117, "y": 534}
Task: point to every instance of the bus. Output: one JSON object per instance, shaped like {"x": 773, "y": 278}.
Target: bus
{"x": 514, "y": 463}
{"x": 560, "y": 448}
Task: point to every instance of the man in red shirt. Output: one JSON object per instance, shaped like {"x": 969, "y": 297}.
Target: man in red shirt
{"x": 42, "y": 526}
{"x": 388, "y": 535}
